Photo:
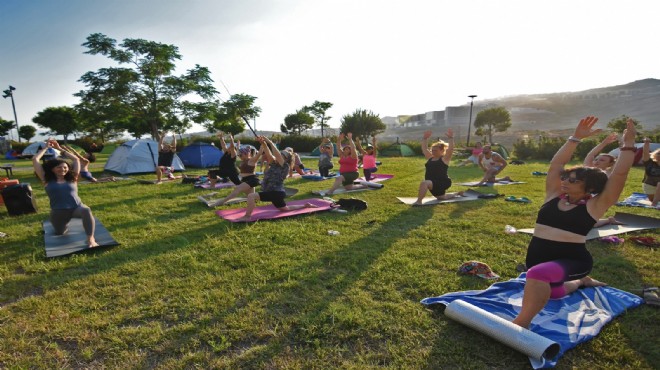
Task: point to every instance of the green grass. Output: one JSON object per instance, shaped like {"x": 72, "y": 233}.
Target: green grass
{"x": 186, "y": 289}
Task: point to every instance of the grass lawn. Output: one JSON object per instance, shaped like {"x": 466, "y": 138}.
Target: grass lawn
{"x": 186, "y": 289}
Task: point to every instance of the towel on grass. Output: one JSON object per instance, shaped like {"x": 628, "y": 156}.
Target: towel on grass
{"x": 636, "y": 200}
{"x": 568, "y": 321}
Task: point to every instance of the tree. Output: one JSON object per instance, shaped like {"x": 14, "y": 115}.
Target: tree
{"x": 297, "y": 123}
{"x": 27, "y": 132}
{"x": 146, "y": 97}
{"x": 5, "y": 126}
{"x": 59, "y": 120}
{"x": 619, "y": 124}
{"x": 232, "y": 115}
{"x": 496, "y": 119}
{"x": 362, "y": 123}
{"x": 317, "y": 110}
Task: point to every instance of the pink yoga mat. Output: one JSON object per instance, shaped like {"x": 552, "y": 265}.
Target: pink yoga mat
{"x": 270, "y": 212}
{"x": 378, "y": 177}
{"x": 219, "y": 185}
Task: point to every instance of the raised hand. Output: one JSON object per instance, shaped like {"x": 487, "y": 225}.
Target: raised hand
{"x": 450, "y": 133}
{"x": 611, "y": 138}
{"x": 629, "y": 133}
{"x": 585, "y": 128}
{"x": 427, "y": 134}
{"x": 350, "y": 136}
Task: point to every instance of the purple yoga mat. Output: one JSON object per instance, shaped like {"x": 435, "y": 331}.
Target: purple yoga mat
{"x": 219, "y": 185}
{"x": 378, "y": 177}
{"x": 270, "y": 212}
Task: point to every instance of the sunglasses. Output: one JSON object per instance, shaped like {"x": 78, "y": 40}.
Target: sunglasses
{"x": 571, "y": 180}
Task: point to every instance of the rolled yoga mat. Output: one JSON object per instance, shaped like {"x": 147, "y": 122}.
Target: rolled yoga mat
{"x": 504, "y": 331}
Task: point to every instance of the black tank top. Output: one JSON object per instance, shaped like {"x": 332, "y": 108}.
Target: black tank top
{"x": 576, "y": 220}
{"x": 436, "y": 170}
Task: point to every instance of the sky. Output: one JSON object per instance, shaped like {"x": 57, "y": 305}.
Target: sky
{"x": 389, "y": 57}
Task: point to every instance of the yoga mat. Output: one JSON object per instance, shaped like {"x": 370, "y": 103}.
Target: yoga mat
{"x": 316, "y": 176}
{"x": 568, "y": 321}
{"x": 467, "y": 195}
{"x": 269, "y": 212}
{"x": 344, "y": 190}
{"x": 370, "y": 184}
{"x": 504, "y": 331}
{"x": 636, "y": 200}
{"x": 377, "y": 177}
{"x": 632, "y": 223}
{"x": 74, "y": 240}
{"x": 498, "y": 183}
{"x": 209, "y": 198}
{"x": 218, "y": 185}
{"x": 142, "y": 181}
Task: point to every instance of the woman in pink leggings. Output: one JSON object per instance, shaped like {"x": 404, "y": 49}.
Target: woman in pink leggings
{"x": 557, "y": 258}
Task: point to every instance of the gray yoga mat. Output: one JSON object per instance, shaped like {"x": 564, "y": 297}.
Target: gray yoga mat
{"x": 467, "y": 195}
{"x": 74, "y": 240}
{"x": 631, "y": 223}
{"x": 502, "y": 330}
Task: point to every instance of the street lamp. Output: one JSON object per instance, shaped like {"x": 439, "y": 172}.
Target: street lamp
{"x": 470, "y": 121}
{"x": 9, "y": 93}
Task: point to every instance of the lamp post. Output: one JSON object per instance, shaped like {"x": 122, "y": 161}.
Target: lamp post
{"x": 470, "y": 121}
{"x": 9, "y": 93}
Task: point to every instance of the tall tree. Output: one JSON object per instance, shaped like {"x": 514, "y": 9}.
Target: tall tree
{"x": 59, "y": 121}
{"x": 145, "y": 96}
{"x": 362, "y": 123}
{"x": 318, "y": 111}
{"x": 232, "y": 114}
{"x": 496, "y": 119}
{"x": 297, "y": 122}
{"x": 619, "y": 124}
{"x": 27, "y": 132}
{"x": 5, "y": 126}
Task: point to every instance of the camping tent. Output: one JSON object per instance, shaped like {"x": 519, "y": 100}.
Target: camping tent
{"x": 396, "y": 150}
{"x": 200, "y": 155}
{"x": 638, "y": 153}
{"x": 316, "y": 152}
{"x": 137, "y": 156}
{"x": 35, "y": 147}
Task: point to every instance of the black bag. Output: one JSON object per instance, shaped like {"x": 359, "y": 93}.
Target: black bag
{"x": 352, "y": 204}
{"x": 19, "y": 199}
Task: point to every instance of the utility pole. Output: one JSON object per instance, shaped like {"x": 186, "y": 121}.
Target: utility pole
{"x": 10, "y": 93}
{"x": 470, "y": 120}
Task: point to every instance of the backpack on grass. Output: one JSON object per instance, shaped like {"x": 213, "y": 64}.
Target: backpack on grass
{"x": 352, "y": 204}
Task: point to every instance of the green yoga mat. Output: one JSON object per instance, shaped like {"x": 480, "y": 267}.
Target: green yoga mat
{"x": 74, "y": 240}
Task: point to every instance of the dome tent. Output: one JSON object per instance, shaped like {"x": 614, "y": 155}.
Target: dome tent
{"x": 396, "y": 150}
{"x": 316, "y": 152}
{"x": 200, "y": 155}
{"x": 137, "y": 156}
{"x": 35, "y": 147}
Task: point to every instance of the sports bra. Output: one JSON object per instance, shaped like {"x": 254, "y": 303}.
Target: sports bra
{"x": 246, "y": 168}
{"x": 576, "y": 220}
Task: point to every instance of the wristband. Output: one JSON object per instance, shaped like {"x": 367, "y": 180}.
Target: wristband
{"x": 631, "y": 148}
{"x": 574, "y": 139}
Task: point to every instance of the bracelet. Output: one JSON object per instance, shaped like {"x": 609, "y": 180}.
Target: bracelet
{"x": 574, "y": 139}
{"x": 631, "y": 148}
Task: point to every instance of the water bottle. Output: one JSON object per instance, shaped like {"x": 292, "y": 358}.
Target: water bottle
{"x": 508, "y": 229}
{"x": 333, "y": 232}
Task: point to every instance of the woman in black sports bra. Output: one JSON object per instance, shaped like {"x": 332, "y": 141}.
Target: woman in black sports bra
{"x": 557, "y": 258}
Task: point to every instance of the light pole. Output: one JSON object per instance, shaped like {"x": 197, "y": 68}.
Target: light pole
{"x": 9, "y": 93}
{"x": 470, "y": 121}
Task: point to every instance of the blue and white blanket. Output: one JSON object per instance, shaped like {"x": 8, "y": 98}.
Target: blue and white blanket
{"x": 569, "y": 321}
{"x": 636, "y": 200}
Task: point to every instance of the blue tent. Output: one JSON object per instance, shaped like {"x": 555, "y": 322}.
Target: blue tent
{"x": 200, "y": 155}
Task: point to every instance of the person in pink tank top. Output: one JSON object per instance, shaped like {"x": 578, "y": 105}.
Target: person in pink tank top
{"x": 368, "y": 158}
{"x": 348, "y": 164}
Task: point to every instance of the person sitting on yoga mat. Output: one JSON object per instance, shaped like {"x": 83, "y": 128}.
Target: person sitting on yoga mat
{"x": 474, "y": 157}
{"x": 601, "y": 160}
{"x": 557, "y": 257}
{"x": 348, "y": 164}
{"x": 298, "y": 166}
{"x": 227, "y": 166}
{"x": 272, "y": 186}
{"x": 165, "y": 158}
{"x": 60, "y": 180}
{"x": 492, "y": 164}
{"x": 85, "y": 160}
{"x": 326, "y": 151}
{"x": 651, "y": 181}
{"x": 249, "y": 179}
{"x": 368, "y": 158}
{"x": 436, "y": 179}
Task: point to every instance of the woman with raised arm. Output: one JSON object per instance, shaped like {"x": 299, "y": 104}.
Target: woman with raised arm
{"x": 601, "y": 160}
{"x": 60, "y": 181}
{"x": 348, "y": 165}
{"x": 436, "y": 179}
{"x": 165, "y": 158}
{"x": 326, "y": 151}
{"x": 249, "y": 179}
{"x": 368, "y": 158}
{"x": 557, "y": 257}
{"x": 651, "y": 181}
{"x": 227, "y": 166}
{"x": 272, "y": 186}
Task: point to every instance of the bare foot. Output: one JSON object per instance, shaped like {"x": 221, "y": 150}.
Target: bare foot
{"x": 244, "y": 219}
{"x": 310, "y": 205}
{"x": 416, "y": 204}
{"x": 91, "y": 242}
{"x": 589, "y": 282}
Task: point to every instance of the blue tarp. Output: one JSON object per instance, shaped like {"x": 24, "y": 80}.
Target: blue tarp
{"x": 568, "y": 321}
